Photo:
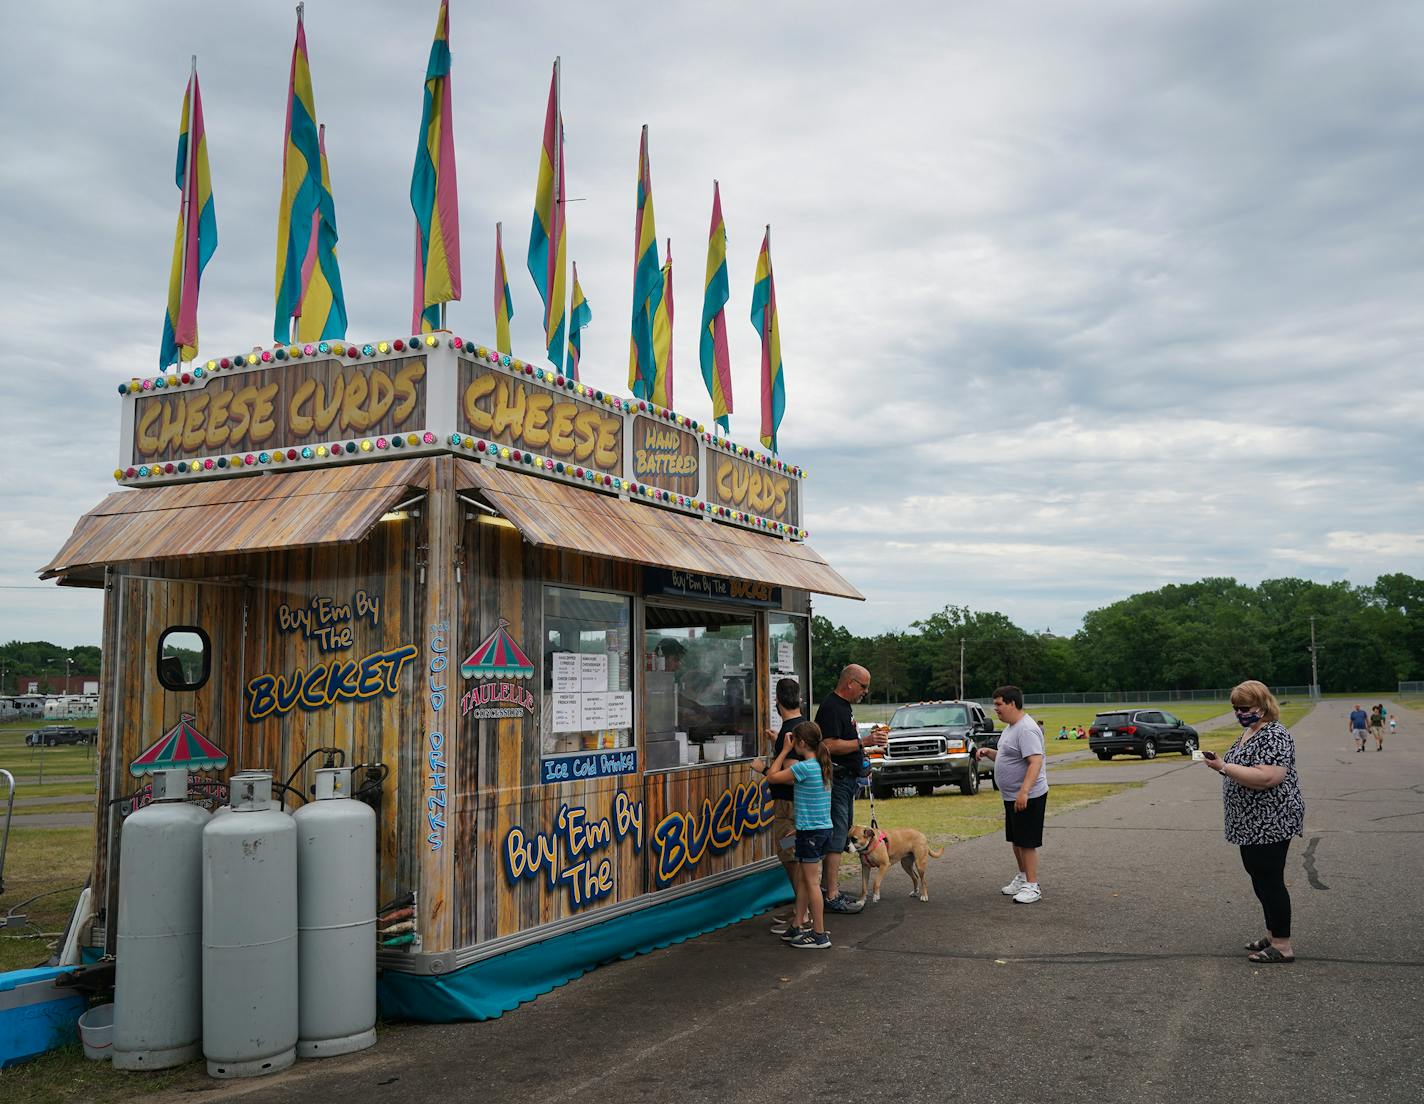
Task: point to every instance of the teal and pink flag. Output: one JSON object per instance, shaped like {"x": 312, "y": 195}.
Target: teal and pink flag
{"x": 768, "y": 327}
{"x": 433, "y": 193}
{"x": 662, "y": 338}
{"x": 503, "y": 305}
{"x": 308, "y": 277}
{"x": 712, "y": 348}
{"x": 548, "y": 238}
{"x": 197, "y": 234}
{"x": 580, "y": 315}
{"x": 647, "y": 282}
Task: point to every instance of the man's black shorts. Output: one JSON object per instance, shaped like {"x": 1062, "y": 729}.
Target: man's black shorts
{"x": 1025, "y": 829}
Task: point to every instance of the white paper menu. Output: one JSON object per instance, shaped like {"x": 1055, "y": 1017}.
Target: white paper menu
{"x": 593, "y": 673}
{"x": 566, "y": 713}
{"x": 593, "y": 712}
{"x": 566, "y": 673}
{"x": 620, "y": 709}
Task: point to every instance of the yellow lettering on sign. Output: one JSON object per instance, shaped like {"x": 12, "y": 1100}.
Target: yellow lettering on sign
{"x": 742, "y": 487}
{"x": 194, "y": 432}
{"x": 480, "y": 388}
{"x": 509, "y": 407}
{"x": 515, "y": 413}
{"x": 536, "y": 435}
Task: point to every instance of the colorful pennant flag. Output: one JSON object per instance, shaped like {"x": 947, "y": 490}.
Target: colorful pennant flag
{"x": 773, "y": 390}
{"x": 580, "y": 315}
{"x": 548, "y": 240}
{"x": 662, "y": 338}
{"x": 647, "y": 282}
{"x": 197, "y": 234}
{"x": 503, "y": 304}
{"x": 308, "y": 278}
{"x": 712, "y": 351}
{"x": 433, "y": 193}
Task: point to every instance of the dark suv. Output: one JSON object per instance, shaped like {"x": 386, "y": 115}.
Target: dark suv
{"x": 1140, "y": 731}
{"x": 52, "y": 735}
{"x": 931, "y": 744}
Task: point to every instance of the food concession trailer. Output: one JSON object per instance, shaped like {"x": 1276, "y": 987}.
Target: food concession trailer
{"x": 543, "y": 621}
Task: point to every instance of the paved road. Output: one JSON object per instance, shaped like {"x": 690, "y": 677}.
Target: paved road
{"x": 1126, "y": 983}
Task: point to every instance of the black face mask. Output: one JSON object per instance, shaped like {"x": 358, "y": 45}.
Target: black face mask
{"x": 1246, "y": 720}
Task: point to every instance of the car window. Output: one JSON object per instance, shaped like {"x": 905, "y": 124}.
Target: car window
{"x": 1148, "y": 716}
{"x": 1167, "y": 718}
{"x": 929, "y": 716}
{"x": 1110, "y": 720}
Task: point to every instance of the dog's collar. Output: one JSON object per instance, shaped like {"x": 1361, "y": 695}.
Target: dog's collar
{"x": 880, "y": 837}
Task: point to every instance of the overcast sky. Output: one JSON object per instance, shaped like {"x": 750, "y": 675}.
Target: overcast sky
{"x": 1076, "y": 300}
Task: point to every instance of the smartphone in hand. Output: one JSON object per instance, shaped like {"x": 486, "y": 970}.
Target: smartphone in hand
{"x": 1209, "y": 755}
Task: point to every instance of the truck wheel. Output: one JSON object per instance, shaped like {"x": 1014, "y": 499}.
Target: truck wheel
{"x": 1189, "y": 745}
{"x": 924, "y": 789}
{"x": 51, "y": 742}
{"x": 970, "y": 786}
{"x": 1149, "y": 748}
{"x": 1105, "y": 755}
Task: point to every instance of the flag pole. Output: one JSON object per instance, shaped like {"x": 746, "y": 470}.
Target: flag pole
{"x": 188, "y": 173}
{"x": 558, "y": 211}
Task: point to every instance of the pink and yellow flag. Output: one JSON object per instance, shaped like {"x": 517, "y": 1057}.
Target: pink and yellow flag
{"x": 768, "y": 326}
{"x": 197, "y": 234}
{"x": 662, "y": 338}
{"x": 647, "y": 282}
{"x": 503, "y": 305}
{"x": 433, "y": 193}
{"x": 712, "y": 348}
{"x": 548, "y": 239}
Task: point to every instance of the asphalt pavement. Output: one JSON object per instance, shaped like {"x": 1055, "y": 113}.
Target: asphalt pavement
{"x": 1127, "y": 982}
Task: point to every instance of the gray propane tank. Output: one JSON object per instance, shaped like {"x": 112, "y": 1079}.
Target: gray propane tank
{"x": 250, "y": 934}
{"x": 336, "y": 919}
{"x": 158, "y": 978}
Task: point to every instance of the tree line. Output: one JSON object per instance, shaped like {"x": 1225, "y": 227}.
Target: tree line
{"x": 1193, "y": 636}
{"x": 43, "y": 662}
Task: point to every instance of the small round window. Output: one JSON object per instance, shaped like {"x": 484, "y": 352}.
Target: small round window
{"x": 184, "y": 658}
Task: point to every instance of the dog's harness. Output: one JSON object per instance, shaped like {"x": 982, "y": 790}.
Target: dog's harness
{"x": 864, "y": 853}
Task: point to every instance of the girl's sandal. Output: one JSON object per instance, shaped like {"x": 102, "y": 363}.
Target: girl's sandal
{"x": 1259, "y": 945}
{"x": 1269, "y": 956}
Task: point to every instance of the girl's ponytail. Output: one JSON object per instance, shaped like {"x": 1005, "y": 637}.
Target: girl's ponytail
{"x": 809, "y": 733}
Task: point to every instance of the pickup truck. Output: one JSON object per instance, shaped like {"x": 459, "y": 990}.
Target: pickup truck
{"x": 931, "y": 744}
{"x": 52, "y": 735}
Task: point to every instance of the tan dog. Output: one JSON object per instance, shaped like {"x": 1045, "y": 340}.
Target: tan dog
{"x": 880, "y": 848}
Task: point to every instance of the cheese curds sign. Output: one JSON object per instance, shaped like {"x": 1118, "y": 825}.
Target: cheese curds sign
{"x": 523, "y": 415}
{"x": 295, "y": 403}
{"x": 735, "y": 483}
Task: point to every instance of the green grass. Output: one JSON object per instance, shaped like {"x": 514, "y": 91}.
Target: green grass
{"x": 65, "y": 1075}
{"x": 49, "y": 861}
{"x": 948, "y": 817}
{"x": 46, "y": 810}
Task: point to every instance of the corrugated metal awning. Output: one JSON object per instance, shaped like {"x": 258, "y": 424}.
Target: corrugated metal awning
{"x": 558, "y": 515}
{"x": 245, "y": 514}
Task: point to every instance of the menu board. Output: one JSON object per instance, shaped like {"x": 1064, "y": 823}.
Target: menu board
{"x": 582, "y": 698}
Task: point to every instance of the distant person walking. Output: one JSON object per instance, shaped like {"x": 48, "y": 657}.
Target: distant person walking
{"x": 1264, "y": 810}
{"x": 1359, "y": 727}
{"x": 842, "y": 739}
{"x": 1377, "y": 726}
{"x": 1018, "y": 769}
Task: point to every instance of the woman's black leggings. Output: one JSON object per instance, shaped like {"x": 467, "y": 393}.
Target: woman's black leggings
{"x": 1266, "y": 863}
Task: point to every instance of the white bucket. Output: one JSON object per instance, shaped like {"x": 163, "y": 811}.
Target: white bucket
{"x": 96, "y": 1032}
{"x": 713, "y": 752}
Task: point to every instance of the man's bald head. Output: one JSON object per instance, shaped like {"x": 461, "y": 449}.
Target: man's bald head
{"x": 854, "y": 682}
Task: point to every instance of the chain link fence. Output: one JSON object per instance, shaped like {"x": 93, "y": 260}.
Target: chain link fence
{"x": 1411, "y": 689}
{"x": 1155, "y": 697}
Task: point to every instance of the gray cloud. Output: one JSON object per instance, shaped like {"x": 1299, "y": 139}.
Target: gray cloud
{"x": 1076, "y": 300}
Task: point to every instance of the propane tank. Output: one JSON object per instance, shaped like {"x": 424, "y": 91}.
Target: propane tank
{"x": 336, "y": 919}
{"x": 250, "y": 934}
{"x": 158, "y": 994}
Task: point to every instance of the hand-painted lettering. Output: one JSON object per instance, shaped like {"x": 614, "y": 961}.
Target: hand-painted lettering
{"x": 324, "y": 685}
{"x": 681, "y": 840}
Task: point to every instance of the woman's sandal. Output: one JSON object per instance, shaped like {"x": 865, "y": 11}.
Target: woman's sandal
{"x": 1260, "y": 944}
{"x": 1268, "y": 956}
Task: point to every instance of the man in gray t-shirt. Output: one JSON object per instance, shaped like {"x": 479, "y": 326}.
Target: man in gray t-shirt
{"x": 1018, "y": 769}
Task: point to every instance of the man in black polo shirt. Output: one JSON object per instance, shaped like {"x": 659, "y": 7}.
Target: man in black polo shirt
{"x": 842, "y": 740}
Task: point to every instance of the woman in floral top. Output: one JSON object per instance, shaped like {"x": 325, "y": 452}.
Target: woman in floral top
{"x": 1264, "y": 810}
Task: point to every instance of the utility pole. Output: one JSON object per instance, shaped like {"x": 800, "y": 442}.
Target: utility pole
{"x": 1314, "y": 668}
{"x": 961, "y": 668}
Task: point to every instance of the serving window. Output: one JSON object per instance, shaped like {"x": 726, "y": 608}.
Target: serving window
{"x": 789, "y": 651}
{"x": 588, "y": 694}
{"x": 699, "y": 685}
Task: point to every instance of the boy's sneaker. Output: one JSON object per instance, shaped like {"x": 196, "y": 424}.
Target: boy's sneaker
{"x": 1028, "y": 895}
{"x": 812, "y": 941}
{"x": 793, "y": 933}
{"x": 843, "y": 904}
{"x": 1017, "y": 884}
{"x": 780, "y": 924}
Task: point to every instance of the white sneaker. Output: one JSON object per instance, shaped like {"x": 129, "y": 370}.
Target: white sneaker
{"x": 1028, "y": 895}
{"x": 1017, "y": 884}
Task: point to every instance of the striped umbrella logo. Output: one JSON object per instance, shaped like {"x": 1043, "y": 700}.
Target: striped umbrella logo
{"x": 181, "y": 746}
{"x": 498, "y": 656}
